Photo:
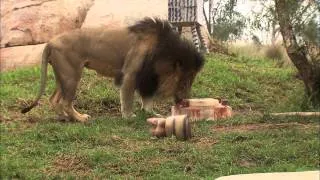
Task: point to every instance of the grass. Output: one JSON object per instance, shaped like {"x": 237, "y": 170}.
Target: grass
{"x": 275, "y": 52}
{"x": 36, "y": 146}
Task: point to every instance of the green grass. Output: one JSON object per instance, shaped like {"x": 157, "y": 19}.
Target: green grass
{"x": 36, "y": 146}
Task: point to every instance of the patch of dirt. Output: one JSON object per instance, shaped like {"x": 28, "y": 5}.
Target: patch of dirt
{"x": 204, "y": 142}
{"x": 99, "y": 107}
{"x": 16, "y": 122}
{"x": 263, "y": 126}
{"x": 246, "y": 163}
{"x": 163, "y": 107}
{"x": 73, "y": 164}
{"x": 14, "y": 116}
{"x": 112, "y": 106}
{"x": 12, "y": 113}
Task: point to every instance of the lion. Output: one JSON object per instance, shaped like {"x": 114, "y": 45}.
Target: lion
{"x": 148, "y": 57}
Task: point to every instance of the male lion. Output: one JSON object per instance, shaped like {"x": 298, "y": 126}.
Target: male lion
{"x": 148, "y": 57}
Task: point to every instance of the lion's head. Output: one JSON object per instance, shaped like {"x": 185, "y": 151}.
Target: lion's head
{"x": 171, "y": 66}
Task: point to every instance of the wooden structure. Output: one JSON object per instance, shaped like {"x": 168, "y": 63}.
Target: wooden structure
{"x": 188, "y": 13}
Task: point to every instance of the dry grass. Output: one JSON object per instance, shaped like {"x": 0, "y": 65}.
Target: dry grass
{"x": 263, "y": 126}
{"x": 274, "y": 52}
{"x": 73, "y": 165}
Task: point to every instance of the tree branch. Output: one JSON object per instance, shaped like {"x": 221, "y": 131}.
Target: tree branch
{"x": 316, "y": 114}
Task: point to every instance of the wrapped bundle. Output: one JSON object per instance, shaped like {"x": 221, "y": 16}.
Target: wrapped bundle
{"x": 178, "y": 126}
{"x": 204, "y": 108}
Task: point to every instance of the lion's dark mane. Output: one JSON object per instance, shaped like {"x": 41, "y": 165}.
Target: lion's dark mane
{"x": 170, "y": 47}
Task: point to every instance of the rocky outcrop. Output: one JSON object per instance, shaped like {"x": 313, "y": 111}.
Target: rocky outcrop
{"x": 20, "y": 56}
{"x": 25, "y": 22}
{"x": 117, "y": 13}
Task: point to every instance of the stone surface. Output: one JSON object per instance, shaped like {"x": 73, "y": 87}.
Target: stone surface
{"x": 30, "y": 22}
{"x": 119, "y": 13}
{"x": 25, "y": 22}
{"x": 20, "y": 56}
{"x": 307, "y": 175}
{"x": 203, "y": 108}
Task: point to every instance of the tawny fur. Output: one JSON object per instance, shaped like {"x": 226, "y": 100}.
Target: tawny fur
{"x": 148, "y": 57}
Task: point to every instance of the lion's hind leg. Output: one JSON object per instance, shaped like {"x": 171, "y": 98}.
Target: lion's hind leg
{"x": 56, "y": 103}
{"x": 68, "y": 72}
{"x": 68, "y": 94}
{"x": 75, "y": 115}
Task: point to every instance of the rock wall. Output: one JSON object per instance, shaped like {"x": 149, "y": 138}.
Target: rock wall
{"x": 27, "y": 24}
{"x": 119, "y": 13}
{"x": 20, "y": 56}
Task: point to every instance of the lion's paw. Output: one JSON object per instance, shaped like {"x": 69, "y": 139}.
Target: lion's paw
{"x": 131, "y": 115}
{"x": 83, "y": 118}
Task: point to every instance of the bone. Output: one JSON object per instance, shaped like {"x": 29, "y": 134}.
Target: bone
{"x": 178, "y": 126}
{"x": 203, "y": 108}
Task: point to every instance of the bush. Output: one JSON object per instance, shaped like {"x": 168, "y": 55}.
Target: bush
{"x": 273, "y": 52}
{"x": 278, "y": 53}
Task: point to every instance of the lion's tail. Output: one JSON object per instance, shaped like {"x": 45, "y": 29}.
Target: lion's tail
{"x": 44, "y": 67}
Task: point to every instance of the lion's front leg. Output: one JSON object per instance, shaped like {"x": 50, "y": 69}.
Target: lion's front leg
{"x": 126, "y": 96}
{"x": 147, "y": 105}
